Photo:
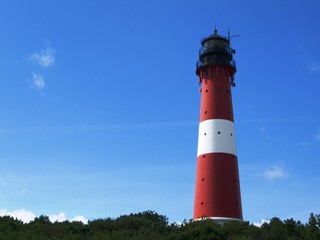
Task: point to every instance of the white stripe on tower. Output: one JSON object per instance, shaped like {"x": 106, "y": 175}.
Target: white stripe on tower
{"x": 216, "y": 136}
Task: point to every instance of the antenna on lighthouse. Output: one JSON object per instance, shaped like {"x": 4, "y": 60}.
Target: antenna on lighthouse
{"x": 229, "y": 35}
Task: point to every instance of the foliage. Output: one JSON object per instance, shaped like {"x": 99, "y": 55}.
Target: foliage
{"x": 152, "y": 226}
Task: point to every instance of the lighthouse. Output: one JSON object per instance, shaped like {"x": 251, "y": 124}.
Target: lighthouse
{"x": 217, "y": 190}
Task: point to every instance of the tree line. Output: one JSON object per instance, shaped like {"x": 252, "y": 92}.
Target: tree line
{"x": 152, "y": 226}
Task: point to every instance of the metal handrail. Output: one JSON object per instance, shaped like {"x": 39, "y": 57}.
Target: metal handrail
{"x": 200, "y": 64}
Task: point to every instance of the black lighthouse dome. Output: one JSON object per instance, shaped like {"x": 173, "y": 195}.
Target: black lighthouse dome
{"x": 215, "y": 49}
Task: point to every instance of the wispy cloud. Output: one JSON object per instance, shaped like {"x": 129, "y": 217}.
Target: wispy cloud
{"x": 38, "y": 82}
{"x": 318, "y": 136}
{"x": 304, "y": 144}
{"x": 276, "y": 119}
{"x": 275, "y": 172}
{"x": 3, "y": 182}
{"x": 44, "y": 58}
{"x": 95, "y": 128}
{"x": 19, "y": 192}
{"x": 263, "y": 129}
{"x": 314, "y": 67}
{"x": 308, "y": 60}
{"x": 27, "y": 216}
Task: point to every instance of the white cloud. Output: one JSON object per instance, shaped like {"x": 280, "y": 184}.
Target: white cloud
{"x": 262, "y": 221}
{"x": 44, "y": 58}
{"x": 274, "y": 172}
{"x": 38, "y": 82}
{"x": 79, "y": 219}
{"x": 61, "y": 217}
{"x": 27, "y": 216}
{"x": 21, "y": 214}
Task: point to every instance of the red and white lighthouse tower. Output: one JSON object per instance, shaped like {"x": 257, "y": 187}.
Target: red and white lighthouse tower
{"x": 217, "y": 192}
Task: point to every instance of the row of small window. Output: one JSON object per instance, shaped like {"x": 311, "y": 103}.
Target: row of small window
{"x": 218, "y": 133}
{"x": 204, "y": 156}
{"x": 220, "y": 178}
{"x": 205, "y": 112}
{"x": 218, "y": 89}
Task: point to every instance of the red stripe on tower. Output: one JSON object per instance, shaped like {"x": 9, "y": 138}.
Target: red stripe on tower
{"x": 217, "y": 192}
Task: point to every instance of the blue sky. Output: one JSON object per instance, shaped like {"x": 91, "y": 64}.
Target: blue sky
{"x": 99, "y": 106}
